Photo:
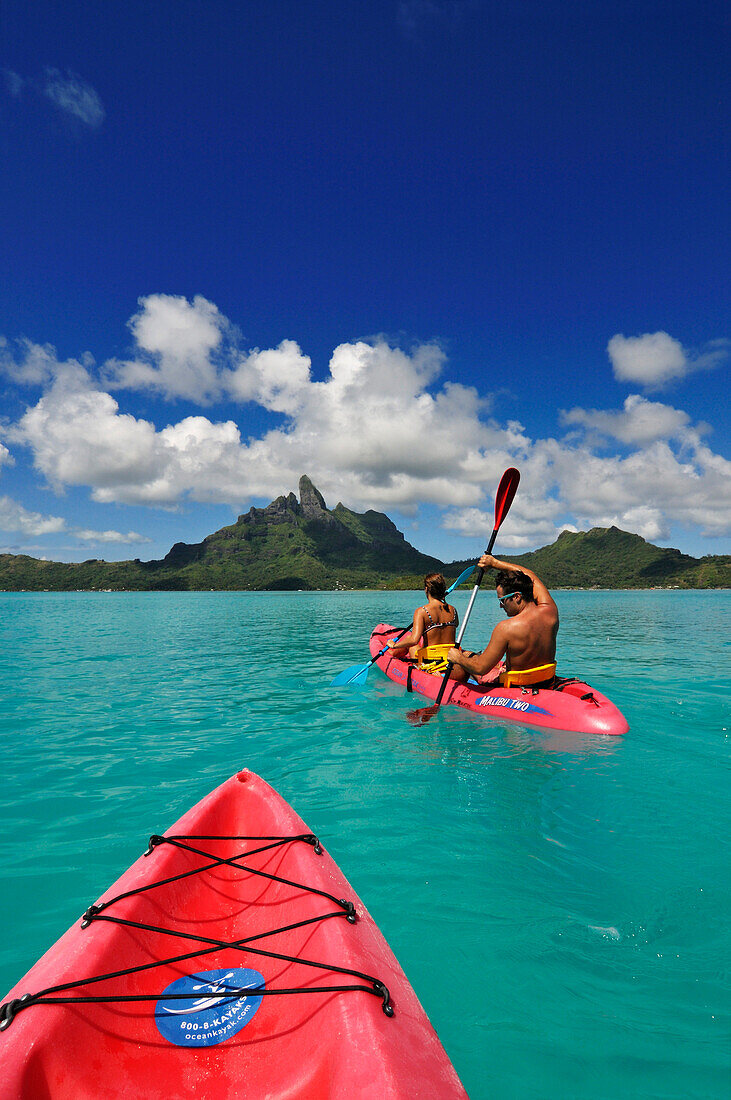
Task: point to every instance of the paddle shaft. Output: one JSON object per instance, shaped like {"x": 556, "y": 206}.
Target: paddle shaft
{"x": 364, "y": 668}
{"x": 468, "y": 612}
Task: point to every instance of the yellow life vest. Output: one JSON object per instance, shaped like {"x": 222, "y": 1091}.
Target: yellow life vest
{"x": 433, "y": 658}
{"x": 524, "y": 676}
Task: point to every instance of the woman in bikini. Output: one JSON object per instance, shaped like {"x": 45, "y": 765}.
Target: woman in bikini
{"x": 434, "y": 629}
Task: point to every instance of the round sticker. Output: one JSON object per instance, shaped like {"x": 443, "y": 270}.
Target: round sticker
{"x": 212, "y": 1009}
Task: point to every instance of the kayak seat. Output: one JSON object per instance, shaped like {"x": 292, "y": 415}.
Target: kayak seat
{"x": 433, "y": 658}
{"x": 529, "y": 677}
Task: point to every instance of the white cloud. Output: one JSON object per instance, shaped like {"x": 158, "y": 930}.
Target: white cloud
{"x": 655, "y": 359}
{"x": 640, "y": 422}
{"x": 85, "y": 534}
{"x": 178, "y": 341}
{"x": 78, "y": 436}
{"x": 74, "y": 97}
{"x": 382, "y": 430}
{"x": 692, "y": 488}
{"x": 14, "y": 517}
{"x": 187, "y": 349}
{"x": 517, "y": 531}
{"x": 565, "y": 486}
{"x": 652, "y": 359}
{"x": 275, "y": 378}
{"x": 361, "y": 434}
{"x": 35, "y": 364}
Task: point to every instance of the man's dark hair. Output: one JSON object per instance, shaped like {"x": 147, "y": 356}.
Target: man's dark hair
{"x": 513, "y": 580}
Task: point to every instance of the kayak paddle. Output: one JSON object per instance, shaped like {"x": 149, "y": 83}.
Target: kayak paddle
{"x": 503, "y": 499}
{"x": 358, "y": 674}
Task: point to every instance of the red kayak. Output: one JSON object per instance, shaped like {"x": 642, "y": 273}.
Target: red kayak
{"x": 232, "y": 959}
{"x": 570, "y": 705}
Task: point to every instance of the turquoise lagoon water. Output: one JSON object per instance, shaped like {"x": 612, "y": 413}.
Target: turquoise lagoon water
{"x": 559, "y": 902}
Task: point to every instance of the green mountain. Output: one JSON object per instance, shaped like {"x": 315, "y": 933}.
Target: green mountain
{"x": 606, "y": 557}
{"x": 290, "y": 544}
{"x": 301, "y": 544}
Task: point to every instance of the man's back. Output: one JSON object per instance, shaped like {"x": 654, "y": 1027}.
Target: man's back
{"x": 531, "y": 636}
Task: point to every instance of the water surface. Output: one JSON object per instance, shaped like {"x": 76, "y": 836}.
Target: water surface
{"x": 559, "y": 902}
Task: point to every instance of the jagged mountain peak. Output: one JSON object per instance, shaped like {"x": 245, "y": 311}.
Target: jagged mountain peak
{"x": 312, "y": 501}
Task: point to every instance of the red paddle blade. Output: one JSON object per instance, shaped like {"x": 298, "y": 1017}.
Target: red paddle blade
{"x": 421, "y": 715}
{"x": 506, "y": 490}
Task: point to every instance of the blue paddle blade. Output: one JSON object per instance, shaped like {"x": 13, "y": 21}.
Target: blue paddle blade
{"x": 356, "y": 674}
{"x": 461, "y": 578}
{"x": 360, "y": 678}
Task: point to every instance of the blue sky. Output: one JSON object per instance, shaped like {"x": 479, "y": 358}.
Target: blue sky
{"x": 397, "y": 246}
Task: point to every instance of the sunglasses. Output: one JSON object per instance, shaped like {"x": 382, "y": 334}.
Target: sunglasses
{"x": 501, "y": 599}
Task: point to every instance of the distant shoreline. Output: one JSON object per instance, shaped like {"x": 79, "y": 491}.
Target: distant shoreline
{"x": 306, "y": 591}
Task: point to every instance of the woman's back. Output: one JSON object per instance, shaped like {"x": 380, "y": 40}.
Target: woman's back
{"x": 439, "y": 623}
{"x": 433, "y": 630}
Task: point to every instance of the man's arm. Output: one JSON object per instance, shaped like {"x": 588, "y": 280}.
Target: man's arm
{"x": 542, "y": 595}
{"x": 481, "y": 663}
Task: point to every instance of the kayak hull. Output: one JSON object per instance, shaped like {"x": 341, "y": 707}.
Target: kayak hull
{"x": 311, "y": 1044}
{"x": 577, "y": 707}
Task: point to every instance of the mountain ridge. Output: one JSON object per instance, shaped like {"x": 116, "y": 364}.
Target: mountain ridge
{"x": 607, "y": 557}
{"x": 300, "y": 544}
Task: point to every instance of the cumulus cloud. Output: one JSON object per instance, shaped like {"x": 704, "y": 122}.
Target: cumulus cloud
{"x": 566, "y": 486}
{"x": 640, "y": 422}
{"x": 275, "y": 378}
{"x": 656, "y": 359}
{"x": 178, "y": 342}
{"x": 78, "y": 436}
{"x": 382, "y": 430}
{"x": 361, "y": 433}
{"x": 74, "y": 97}
{"x": 646, "y": 491}
{"x": 652, "y": 359}
{"x": 533, "y": 519}
{"x": 188, "y": 350}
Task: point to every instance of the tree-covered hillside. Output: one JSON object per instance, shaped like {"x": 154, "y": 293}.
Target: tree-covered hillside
{"x": 301, "y": 544}
{"x": 606, "y": 557}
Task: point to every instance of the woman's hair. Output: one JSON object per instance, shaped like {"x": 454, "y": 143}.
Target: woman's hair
{"x": 513, "y": 580}
{"x": 436, "y": 586}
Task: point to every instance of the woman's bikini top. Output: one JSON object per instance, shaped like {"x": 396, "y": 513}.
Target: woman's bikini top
{"x": 452, "y": 622}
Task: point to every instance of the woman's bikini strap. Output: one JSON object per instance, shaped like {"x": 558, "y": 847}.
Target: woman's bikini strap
{"x": 433, "y": 625}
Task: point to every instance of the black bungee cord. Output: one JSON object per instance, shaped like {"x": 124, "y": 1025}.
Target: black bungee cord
{"x": 57, "y": 994}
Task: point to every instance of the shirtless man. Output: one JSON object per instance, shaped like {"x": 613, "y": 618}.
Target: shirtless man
{"x": 527, "y": 638}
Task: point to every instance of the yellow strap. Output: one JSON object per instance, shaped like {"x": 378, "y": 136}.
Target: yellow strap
{"x": 524, "y": 676}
